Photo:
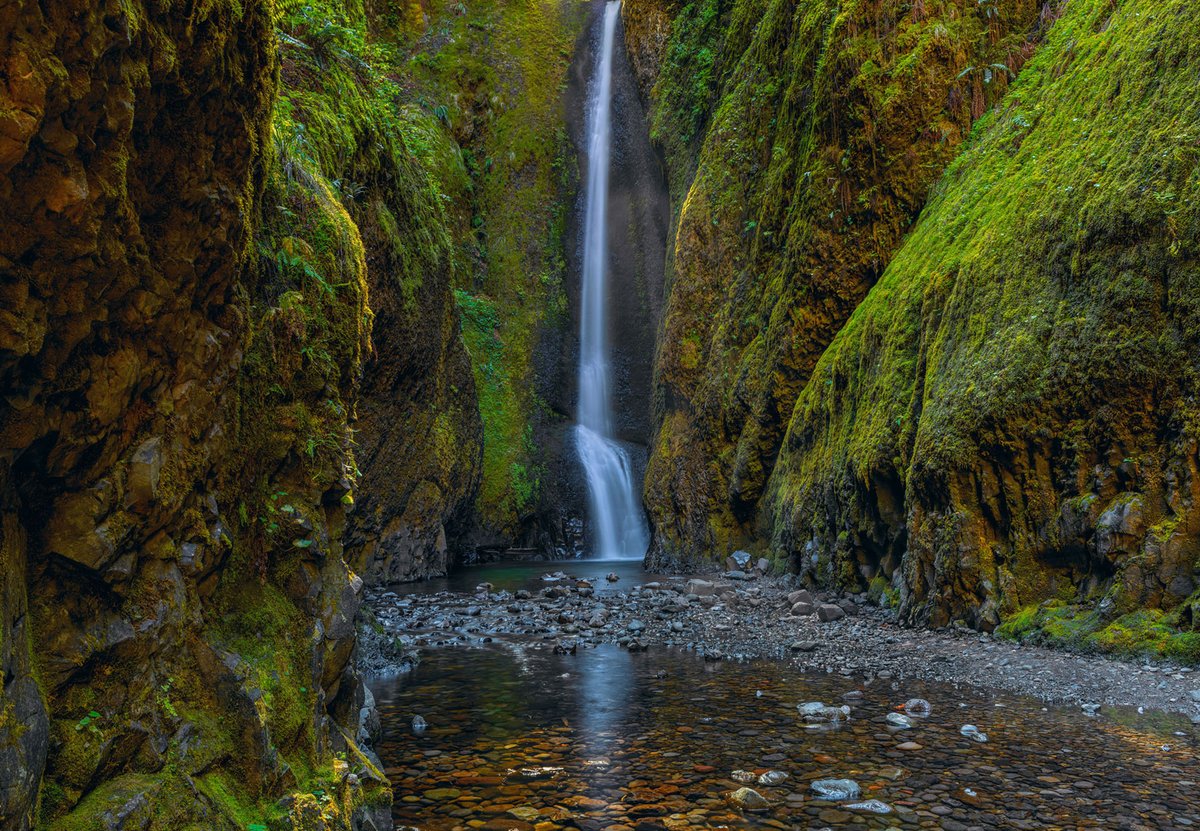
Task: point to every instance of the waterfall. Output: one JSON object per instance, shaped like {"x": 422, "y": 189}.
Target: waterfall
{"x": 619, "y": 528}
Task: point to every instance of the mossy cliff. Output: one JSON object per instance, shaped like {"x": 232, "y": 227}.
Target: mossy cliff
{"x": 201, "y": 258}
{"x": 980, "y": 412}
{"x": 802, "y": 140}
{"x": 485, "y": 80}
{"x": 1010, "y": 416}
{"x": 345, "y": 117}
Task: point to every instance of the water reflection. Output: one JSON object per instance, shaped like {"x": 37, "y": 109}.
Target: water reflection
{"x": 603, "y": 689}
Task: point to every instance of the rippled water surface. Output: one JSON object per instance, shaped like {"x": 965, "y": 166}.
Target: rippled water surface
{"x": 521, "y": 738}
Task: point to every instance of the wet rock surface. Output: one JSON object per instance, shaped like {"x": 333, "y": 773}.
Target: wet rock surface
{"x": 754, "y": 619}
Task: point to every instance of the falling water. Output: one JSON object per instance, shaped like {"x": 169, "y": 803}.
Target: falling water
{"x": 619, "y": 529}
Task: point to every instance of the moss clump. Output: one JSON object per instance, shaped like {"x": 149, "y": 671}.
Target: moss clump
{"x": 275, "y": 641}
{"x": 877, "y": 589}
{"x": 1146, "y": 633}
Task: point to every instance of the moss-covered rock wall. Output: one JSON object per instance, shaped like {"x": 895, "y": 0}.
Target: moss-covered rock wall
{"x": 981, "y": 416}
{"x": 817, "y": 130}
{"x": 1010, "y": 416}
{"x": 485, "y": 81}
{"x": 220, "y": 246}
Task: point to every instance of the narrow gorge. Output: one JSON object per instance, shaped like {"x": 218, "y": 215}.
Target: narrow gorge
{"x": 330, "y": 332}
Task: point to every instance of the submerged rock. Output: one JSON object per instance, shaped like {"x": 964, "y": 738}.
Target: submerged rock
{"x": 815, "y": 712}
{"x": 918, "y": 707}
{"x": 749, "y": 799}
{"x": 836, "y": 790}
{"x": 973, "y": 733}
{"x": 873, "y": 806}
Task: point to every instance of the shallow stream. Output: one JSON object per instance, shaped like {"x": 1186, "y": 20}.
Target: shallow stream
{"x": 521, "y": 738}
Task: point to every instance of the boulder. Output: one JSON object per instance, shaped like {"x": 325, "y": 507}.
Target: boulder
{"x": 828, "y": 611}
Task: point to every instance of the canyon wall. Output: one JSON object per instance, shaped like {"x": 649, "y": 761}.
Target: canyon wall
{"x": 819, "y": 129}
{"x": 983, "y": 415}
{"x": 1010, "y": 415}
{"x": 485, "y": 81}
{"x": 219, "y": 250}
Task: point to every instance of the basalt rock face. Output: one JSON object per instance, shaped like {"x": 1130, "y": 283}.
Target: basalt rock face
{"x": 1011, "y": 414}
{"x": 483, "y": 83}
{"x": 184, "y": 325}
{"x": 419, "y": 435}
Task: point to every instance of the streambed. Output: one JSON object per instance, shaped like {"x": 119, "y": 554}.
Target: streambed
{"x": 519, "y": 737}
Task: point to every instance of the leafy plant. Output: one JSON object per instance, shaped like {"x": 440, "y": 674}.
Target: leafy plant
{"x": 88, "y": 723}
{"x": 163, "y": 697}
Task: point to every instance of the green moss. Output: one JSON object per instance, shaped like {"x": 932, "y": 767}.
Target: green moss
{"x": 1183, "y": 647}
{"x": 1137, "y": 633}
{"x": 1146, "y": 633}
{"x": 274, "y": 639}
{"x": 232, "y": 801}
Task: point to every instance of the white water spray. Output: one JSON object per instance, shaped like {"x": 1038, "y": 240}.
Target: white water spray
{"x": 619, "y": 528}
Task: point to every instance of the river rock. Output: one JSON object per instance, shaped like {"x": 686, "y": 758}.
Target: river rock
{"x": 827, "y": 612}
{"x": 973, "y": 733}
{"x": 802, "y": 609}
{"x": 873, "y": 806}
{"x": 836, "y": 789}
{"x": 749, "y": 799}
{"x": 700, "y": 588}
{"x": 918, "y": 707}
